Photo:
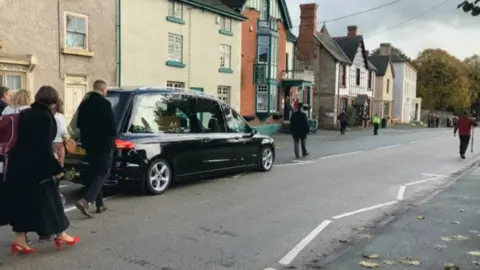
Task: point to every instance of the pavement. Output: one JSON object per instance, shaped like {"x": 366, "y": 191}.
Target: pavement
{"x": 300, "y": 213}
{"x": 440, "y": 233}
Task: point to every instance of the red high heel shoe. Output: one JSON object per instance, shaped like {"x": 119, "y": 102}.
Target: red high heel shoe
{"x": 59, "y": 242}
{"x": 17, "y": 248}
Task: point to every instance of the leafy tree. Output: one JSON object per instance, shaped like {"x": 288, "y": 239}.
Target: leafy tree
{"x": 442, "y": 81}
{"x": 472, "y": 7}
{"x": 395, "y": 51}
{"x": 472, "y": 64}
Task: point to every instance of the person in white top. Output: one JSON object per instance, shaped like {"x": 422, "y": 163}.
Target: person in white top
{"x": 21, "y": 100}
{"x": 62, "y": 133}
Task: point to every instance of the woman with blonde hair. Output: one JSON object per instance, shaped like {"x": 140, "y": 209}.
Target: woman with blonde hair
{"x": 20, "y": 101}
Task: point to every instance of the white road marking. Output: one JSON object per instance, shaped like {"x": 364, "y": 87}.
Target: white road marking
{"x": 364, "y": 209}
{"x": 388, "y": 146}
{"x": 71, "y": 208}
{"x": 341, "y": 155}
{"x": 417, "y": 141}
{"x": 433, "y": 175}
{"x": 422, "y": 181}
{"x": 293, "y": 164}
{"x": 287, "y": 259}
{"x": 269, "y": 268}
{"x": 401, "y": 193}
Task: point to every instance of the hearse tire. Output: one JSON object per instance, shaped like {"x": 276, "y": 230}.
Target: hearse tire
{"x": 158, "y": 177}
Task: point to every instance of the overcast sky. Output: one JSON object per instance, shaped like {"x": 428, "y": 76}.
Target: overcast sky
{"x": 444, "y": 27}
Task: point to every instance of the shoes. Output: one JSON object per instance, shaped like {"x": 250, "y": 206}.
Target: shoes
{"x": 306, "y": 154}
{"x": 59, "y": 242}
{"x": 83, "y": 205}
{"x": 46, "y": 238}
{"x": 17, "y": 248}
{"x": 462, "y": 156}
{"x": 101, "y": 209}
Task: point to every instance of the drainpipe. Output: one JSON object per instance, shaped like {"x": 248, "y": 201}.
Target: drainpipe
{"x": 189, "y": 65}
{"x": 338, "y": 94}
{"x": 119, "y": 42}
{"x": 60, "y": 44}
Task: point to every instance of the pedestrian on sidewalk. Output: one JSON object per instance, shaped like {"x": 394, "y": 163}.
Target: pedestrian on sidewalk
{"x": 343, "y": 120}
{"x": 20, "y": 101}
{"x": 96, "y": 122}
{"x": 299, "y": 129}
{"x": 464, "y": 127}
{"x": 376, "y": 124}
{"x": 31, "y": 174}
{"x": 61, "y": 136}
{"x": 5, "y": 96}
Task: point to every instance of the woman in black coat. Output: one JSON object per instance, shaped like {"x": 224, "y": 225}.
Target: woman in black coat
{"x": 32, "y": 169}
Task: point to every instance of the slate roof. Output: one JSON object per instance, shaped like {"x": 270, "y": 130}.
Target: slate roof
{"x": 381, "y": 62}
{"x": 231, "y": 8}
{"x": 349, "y": 46}
{"x": 333, "y": 48}
{"x": 371, "y": 66}
{"x": 398, "y": 59}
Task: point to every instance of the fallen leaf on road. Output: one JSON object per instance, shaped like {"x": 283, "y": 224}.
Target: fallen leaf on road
{"x": 474, "y": 231}
{"x": 361, "y": 229}
{"x": 389, "y": 262}
{"x": 409, "y": 261}
{"x": 455, "y": 237}
{"x": 420, "y": 217}
{"x": 474, "y": 253}
{"x": 440, "y": 247}
{"x": 342, "y": 241}
{"x": 450, "y": 266}
{"x": 369, "y": 264}
{"x": 456, "y": 222}
{"x": 371, "y": 256}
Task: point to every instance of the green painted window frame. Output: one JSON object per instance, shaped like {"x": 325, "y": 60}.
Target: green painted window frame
{"x": 225, "y": 53}
{"x": 226, "y": 26}
{"x": 175, "y": 20}
{"x": 171, "y": 9}
{"x": 267, "y": 99}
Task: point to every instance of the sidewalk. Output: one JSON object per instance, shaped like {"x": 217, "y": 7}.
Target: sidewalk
{"x": 443, "y": 233}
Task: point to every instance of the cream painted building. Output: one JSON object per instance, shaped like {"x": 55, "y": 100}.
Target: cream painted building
{"x": 191, "y": 45}
{"x": 384, "y": 81}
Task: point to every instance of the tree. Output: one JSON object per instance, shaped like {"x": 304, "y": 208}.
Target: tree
{"x": 470, "y": 7}
{"x": 395, "y": 51}
{"x": 442, "y": 81}
{"x": 472, "y": 64}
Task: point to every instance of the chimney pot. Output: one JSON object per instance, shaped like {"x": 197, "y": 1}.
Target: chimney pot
{"x": 352, "y": 30}
{"x": 308, "y": 29}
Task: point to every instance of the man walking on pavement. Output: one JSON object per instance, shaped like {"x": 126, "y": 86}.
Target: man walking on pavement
{"x": 96, "y": 122}
{"x": 299, "y": 129}
{"x": 464, "y": 126}
{"x": 376, "y": 124}
{"x": 343, "y": 120}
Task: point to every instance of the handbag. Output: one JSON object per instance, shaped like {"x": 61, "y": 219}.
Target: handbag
{"x": 70, "y": 146}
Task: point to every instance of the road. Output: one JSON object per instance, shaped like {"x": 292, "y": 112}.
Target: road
{"x": 287, "y": 218}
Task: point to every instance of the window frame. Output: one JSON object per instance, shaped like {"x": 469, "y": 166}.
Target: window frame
{"x": 274, "y": 58}
{"x": 264, "y": 10}
{"x": 65, "y": 32}
{"x": 239, "y": 118}
{"x": 174, "y": 36}
{"x": 388, "y": 86}
{"x": 220, "y": 94}
{"x": 173, "y": 4}
{"x": 22, "y": 75}
{"x": 357, "y": 77}
{"x": 273, "y": 96}
{"x": 221, "y": 105}
{"x": 265, "y": 46}
{"x": 173, "y": 85}
{"x": 370, "y": 80}
{"x": 257, "y": 93}
{"x": 224, "y": 21}
{"x": 223, "y": 54}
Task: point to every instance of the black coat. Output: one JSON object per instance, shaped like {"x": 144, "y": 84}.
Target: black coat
{"x": 3, "y": 105}
{"x": 299, "y": 124}
{"x": 96, "y": 122}
{"x": 31, "y": 204}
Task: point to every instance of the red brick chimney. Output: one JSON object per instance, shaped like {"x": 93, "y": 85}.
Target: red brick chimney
{"x": 308, "y": 28}
{"x": 352, "y": 30}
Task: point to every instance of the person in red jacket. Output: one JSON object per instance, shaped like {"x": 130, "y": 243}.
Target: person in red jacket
{"x": 464, "y": 126}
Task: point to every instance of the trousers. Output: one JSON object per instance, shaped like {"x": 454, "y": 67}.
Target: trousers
{"x": 464, "y": 140}
{"x": 99, "y": 165}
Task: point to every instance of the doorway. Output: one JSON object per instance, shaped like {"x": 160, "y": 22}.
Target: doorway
{"x": 286, "y": 102}
{"x": 75, "y": 90}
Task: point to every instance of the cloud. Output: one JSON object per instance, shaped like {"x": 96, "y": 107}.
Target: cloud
{"x": 444, "y": 27}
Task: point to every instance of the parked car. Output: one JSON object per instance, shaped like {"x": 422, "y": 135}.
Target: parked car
{"x": 167, "y": 134}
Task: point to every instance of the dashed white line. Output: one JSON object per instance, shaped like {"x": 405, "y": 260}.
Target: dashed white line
{"x": 422, "y": 181}
{"x": 287, "y": 259}
{"x": 293, "y": 164}
{"x": 389, "y": 146}
{"x": 366, "y": 209}
{"x": 270, "y": 269}
{"x": 401, "y": 193}
{"x": 341, "y": 155}
{"x": 417, "y": 141}
{"x": 433, "y": 175}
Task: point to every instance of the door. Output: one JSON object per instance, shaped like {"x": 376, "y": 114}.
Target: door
{"x": 75, "y": 90}
{"x": 209, "y": 123}
{"x": 242, "y": 144}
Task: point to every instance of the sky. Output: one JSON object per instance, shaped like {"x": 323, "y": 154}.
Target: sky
{"x": 444, "y": 27}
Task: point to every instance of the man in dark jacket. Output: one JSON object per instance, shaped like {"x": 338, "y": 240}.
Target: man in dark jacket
{"x": 4, "y": 98}
{"x": 299, "y": 129}
{"x": 464, "y": 127}
{"x": 343, "y": 120}
{"x": 96, "y": 122}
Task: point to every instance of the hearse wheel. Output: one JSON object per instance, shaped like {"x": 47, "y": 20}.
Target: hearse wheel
{"x": 158, "y": 177}
{"x": 266, "y": 159}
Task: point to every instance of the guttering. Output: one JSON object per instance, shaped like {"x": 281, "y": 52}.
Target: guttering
{"x": 118, "y": 20}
